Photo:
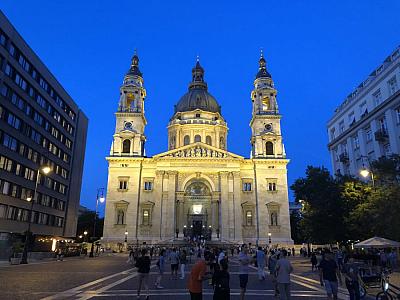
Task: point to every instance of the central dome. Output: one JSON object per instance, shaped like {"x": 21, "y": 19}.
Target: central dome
{"x": 197, "y": 97}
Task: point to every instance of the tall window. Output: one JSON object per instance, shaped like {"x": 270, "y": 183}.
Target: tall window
{"x": 368, "y": 134}
{"x": 392, "y": 84}
{"x": 148, "y": 185}
{"x": 272, "y": 186}
{"x": 222, "y": 142}
{"x": 274, "y": 219}
{"x": 126, "y": 146}
{"x": 377, "y": 97}
{"x": 197, "y": 138}
{"x": 269, "y": 148}
{"x": 186, "y": 140}
{"x": 120, "y": 217}
{"x": 208, "y": 138}
{"x": 249, "y": 218}
{"x": 146, "y": 217}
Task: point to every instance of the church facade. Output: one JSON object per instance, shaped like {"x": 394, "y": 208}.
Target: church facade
{"x": 197, "y": 188}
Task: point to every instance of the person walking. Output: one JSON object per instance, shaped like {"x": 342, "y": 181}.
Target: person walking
{"x": 244, "y": 261}
{"x": 220, "y": 282}
{"x": 143, "y": 264}
{"x": 352, "y": 278}
{"x": 183, "y": 261}
{"x": 272, "y": 260}
{"x": 283, "y": 269}
{"x": 161, "y": 268}
{"x": 174, "y": 260}
{"x": 260, "y": 257}
{"x": 314, "y": 261}
{"x": 196, "y": 277}
{"x": 329, "y": 275}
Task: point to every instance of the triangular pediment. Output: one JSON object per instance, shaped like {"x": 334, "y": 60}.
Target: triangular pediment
{"x": 198, "y": 150}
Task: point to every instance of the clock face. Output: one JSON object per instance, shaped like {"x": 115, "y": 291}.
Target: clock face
{"x": 268, "y": 127}
{"x": 128, "y": 126}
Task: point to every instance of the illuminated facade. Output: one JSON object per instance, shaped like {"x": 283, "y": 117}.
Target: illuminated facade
{"x": 197, "y": 187}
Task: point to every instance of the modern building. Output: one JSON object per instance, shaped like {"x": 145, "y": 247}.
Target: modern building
{"x": 40, "y": 125}
{"x": 366, "y": 126}
{"x": 197, "y": 188}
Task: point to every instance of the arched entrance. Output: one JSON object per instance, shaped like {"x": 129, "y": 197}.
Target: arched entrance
{"x": 198, "y": 210}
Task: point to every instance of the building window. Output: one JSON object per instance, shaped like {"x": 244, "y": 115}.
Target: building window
{"x": 120, "y": 217}
{"x": 222, "y": 142}
{"x": 398, "y": 115}
{"x": 197, "y": 138}
{"x": 126, "y": 146}
{"x": 249, "y": 218}
{"x": 208, "y": 138}
{"x": 272, "y": 186}
{"x": 123, "y": 184}
{"x": 368, "y": 134}
{"x": 333, "y": 134}
{"x": 392, "y": 84}
{"x": 377, "y": 96}
{"x": 146, "y": 217}
{"x": 148, "y": 185}
{"x": 341, "y": 127}
{"x": 382, "y": 124}
{"x": 197, "y": 115}
{"x": 274, "y": 219}
{"x": 269, "y": 148}
{"x": 186, "y": 140}
{"x": 356, "y": 142}
{"x": 246, "y": 186}
{"x": 14, "y": 121}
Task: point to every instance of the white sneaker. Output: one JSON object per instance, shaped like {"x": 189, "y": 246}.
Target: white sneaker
{"x": 160, "y": 287}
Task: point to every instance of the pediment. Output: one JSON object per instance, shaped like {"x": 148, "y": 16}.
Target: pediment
{"x": 121, "y": 203}
{"x": 272, "y": 204}
{"x": 198, "y": 150}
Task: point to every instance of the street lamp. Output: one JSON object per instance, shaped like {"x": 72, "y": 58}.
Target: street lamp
{"x": 85, "y": 234}
{"x": 126, "y": 236}
{"x": 45, "y": 170}
{"x": 365, "y": 172}
{"x": 99, "y": 198}
{"x": 269, "y": 238}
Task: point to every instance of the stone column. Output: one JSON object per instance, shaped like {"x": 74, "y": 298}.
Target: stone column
{"x": 181, "y": 220}
{"x": 224, "y": 212}
{"x": 170, "y": 209}
{"x": 237, "y": 208}
{"x": 215, "y": 213}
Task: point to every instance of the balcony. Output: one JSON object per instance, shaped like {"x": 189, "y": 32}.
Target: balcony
{"x": 381, "y": 135}
{"x": 130, "y": 110}
{"x": 344, "y": 158}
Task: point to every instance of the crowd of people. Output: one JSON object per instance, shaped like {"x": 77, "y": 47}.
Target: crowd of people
{"x": 211, "y": 265}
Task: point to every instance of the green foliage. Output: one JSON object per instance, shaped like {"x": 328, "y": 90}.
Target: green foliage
{"x": 336, "y": 210}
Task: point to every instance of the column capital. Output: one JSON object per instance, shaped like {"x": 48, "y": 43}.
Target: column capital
{"x": 160, "y": 172}
{"x": 172, "y": 172}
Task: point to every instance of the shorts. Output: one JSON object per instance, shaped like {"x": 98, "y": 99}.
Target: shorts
{"x": 174, "y": 267}
{"x": 243, "y": 278}
{"x": 331, "y": 287}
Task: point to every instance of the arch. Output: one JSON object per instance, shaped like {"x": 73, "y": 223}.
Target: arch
{"x": 197, "y": 138}
{"x": 126, "y": 146}
{"x": 197, "y": 188}
{"x": 208, "y": 140}
{"x": 186, "y": 140}
{"x": 269, "y": 148}
{"x": 194, "y": 177}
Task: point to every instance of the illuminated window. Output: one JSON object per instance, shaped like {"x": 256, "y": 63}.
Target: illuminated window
{"x": 197, "y": 138}
{"x": 146, "y": 217}
{"x": 249, "y": 218}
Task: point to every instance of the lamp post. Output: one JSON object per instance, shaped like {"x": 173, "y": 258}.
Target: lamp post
{"x": 365, "y": 172}
{"x": 85, "y": 234}
{"x": 269, "y": 238}
{"x": 45, "y": 170}
{"x": 100, "y": 197}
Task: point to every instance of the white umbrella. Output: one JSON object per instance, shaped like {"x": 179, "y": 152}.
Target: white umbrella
{"x": 377, "y": 242}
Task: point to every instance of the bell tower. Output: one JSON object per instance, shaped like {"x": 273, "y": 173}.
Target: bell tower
{"x": 129, "y": 138}
{"x": 266, "y": 138}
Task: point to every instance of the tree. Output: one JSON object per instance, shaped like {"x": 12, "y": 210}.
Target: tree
{"x": 86, "y": 222}
{"x": 387, "y": 170}
{"x": 323, "y": 211}
{"x": 296, "y": 227}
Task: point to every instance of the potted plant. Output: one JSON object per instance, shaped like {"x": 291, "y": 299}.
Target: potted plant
{"x": 17, "y": 249}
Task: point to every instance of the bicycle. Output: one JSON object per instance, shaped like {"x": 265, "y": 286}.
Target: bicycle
{"x": 389, "y": 291}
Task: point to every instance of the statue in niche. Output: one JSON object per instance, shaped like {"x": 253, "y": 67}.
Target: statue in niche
{"x": 120, "y": 216}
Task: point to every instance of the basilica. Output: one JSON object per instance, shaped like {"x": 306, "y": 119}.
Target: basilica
{"x": 197, "y": 188}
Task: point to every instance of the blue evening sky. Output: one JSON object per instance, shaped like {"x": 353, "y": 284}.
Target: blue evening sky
{"x": 316, "y": 51}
